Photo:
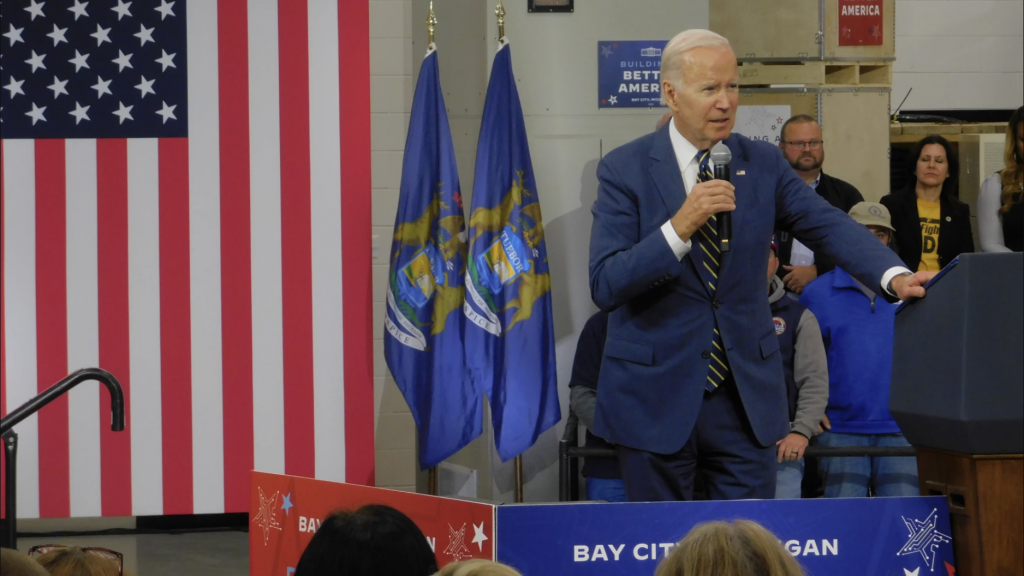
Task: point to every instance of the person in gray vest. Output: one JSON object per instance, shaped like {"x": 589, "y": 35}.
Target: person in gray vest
{"x": 806, "y": 369}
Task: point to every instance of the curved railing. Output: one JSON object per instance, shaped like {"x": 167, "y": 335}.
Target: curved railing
{"x": 10, "y": 438}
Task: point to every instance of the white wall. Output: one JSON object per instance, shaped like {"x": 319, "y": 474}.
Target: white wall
{"x": 959, "y": 54}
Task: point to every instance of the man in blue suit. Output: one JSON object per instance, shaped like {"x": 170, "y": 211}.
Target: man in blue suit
{"x": 691, "y": 377}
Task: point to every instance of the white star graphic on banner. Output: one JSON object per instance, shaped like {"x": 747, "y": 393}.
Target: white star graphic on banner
{"x": 613, "y": 100}
{"x": 478, "y": 536}
{"x": 145, "y": 34}
{"x": 124, "y": 112}
{"x": 122, "y": 9}
{"x": 145, "y": 87}
{"x": 79, "y": 9}
{"x": 35, "y": 9}
{"x": 80, "y": 113}
{"x": 79, "y": 61}
{"x": 58, "y": 87}
{"x": 167, "y": 60}
{"x": 102, "y": 87}
{"x": 36, "y": 114}
{"x": 123, "y": 61}
{"x": 58, "y": 35}
{"x": 36, "y": 61}
{"x": 167, "y": 112}
{"x": 165, "y": 9}
{"x": 14, "y": 34}
{"x": 101, "y": 35}
{"x": 15, "y": 87}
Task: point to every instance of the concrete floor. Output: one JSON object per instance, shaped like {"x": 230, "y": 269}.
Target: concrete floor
{"x": 195, "y": 554}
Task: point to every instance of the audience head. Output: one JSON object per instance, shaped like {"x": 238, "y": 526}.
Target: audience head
{"x": 372, "y": 540}
{"x": 773, "y": 260}
{"x": 737, "y": 548}
{"x": 876, "y": 217}
{"x": 14, "y": 563}
{"x": 76, "y": 561}
{"x": 802, "y": 144}
{"x": 699, "y": 83}
{"x": 477, "y": 568}
{"x": 1013, "y": 175}
{"x": 934, "y": 163}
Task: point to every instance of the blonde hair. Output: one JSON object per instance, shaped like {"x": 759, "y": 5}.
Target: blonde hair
{"x": 1013, "y": 175}
{"x": 737, "y": 548}
{"x": 477, "y": 568}
{"x": 672, "y": 55}
{"x": 73, "y": 561}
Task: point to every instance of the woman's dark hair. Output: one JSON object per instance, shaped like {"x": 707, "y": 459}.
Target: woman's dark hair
{"x": 370, "y": 541}
{"x": 951, "y": 187}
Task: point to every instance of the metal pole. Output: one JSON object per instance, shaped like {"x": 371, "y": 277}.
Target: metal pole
{"x": 519, "y": 478}
{"x": 432, "y": 487}
{"x": 10, "y": 440}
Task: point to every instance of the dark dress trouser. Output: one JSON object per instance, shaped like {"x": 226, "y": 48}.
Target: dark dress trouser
{"x": 721, "y": 448}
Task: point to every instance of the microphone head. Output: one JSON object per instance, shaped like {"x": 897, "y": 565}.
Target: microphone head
{"x": 720, "y": 154}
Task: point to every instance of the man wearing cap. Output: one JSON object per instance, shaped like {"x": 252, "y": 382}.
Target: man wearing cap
{"x": 806, "y": 370}
{"x": 857, "y": 329}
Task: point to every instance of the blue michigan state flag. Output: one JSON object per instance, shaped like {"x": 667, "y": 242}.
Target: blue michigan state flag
{"x": 424, "y": 344}
{"x": 510, "y": 342}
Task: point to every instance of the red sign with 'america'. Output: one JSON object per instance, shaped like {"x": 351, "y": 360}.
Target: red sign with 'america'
{"x": 286, "y": 511}
{"x": 860, "y": 23}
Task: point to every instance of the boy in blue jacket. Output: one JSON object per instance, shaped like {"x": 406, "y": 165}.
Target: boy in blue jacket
{"x": 857, "y": 330}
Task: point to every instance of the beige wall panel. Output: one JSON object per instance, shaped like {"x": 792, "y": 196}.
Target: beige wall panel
{"x": 760, "y": 29}
{"x": 856, "y": 133}
{"x": 788, "y": 29}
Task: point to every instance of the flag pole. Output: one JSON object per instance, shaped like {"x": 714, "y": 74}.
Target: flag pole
{"x": 499, "y": 11}
{"x": 519, "y": 478}
{"x": 431, "y": 24}
{"x": 432, "y": 487}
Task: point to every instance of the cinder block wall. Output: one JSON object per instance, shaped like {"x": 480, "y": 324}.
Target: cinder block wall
{"x": 391, "y": 88}
{"x": 959, "y": 54}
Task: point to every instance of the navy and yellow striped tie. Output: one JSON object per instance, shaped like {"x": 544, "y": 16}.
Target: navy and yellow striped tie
{"x": 707, "y": 239}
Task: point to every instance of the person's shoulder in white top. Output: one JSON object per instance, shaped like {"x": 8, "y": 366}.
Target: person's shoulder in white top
{"x": 990, "y": 223}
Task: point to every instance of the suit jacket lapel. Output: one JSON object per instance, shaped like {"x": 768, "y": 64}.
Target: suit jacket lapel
{"x": 666, "y": 172}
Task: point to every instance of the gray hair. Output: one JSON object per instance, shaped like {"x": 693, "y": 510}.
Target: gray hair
{"x": 672, "y": 55}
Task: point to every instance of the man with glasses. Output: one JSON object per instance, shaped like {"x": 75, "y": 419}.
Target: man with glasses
{"x": 804, "y": 149}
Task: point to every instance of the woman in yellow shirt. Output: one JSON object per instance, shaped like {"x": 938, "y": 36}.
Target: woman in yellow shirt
{"x": 932, "y": 225}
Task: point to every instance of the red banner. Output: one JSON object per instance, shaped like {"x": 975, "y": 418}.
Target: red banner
{"x": 860, "y": 23}
{"x": 285, "y": 512}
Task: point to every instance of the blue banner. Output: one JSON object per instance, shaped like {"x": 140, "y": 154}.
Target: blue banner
{"x": 834, "y": 537}
{"x": 510, "y": 340}
{"x": 629, "y": 73}
{"x": 424, "y": 345}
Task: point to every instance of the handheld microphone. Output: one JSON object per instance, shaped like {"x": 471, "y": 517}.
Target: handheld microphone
{"x": 721, "y": 156}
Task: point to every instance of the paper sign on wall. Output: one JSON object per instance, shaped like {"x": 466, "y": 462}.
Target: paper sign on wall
{"x": 761, "y": 122}
{"x": 860, "y": 23}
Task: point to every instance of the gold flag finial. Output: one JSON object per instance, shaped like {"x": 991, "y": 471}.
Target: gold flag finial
{"x": 499, "y": 11}
{"x": 431, "y": 24}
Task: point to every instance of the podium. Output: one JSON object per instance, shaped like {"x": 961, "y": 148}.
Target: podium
{"x": 957, "y": 394}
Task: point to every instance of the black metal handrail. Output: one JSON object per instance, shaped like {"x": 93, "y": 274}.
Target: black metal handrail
{"x": 60, "y": 388}
{"x": 10, "y": 438}
{"x": 569, "y": 452}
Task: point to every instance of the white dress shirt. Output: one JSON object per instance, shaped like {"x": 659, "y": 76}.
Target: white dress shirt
{"x": 686, "y": 157}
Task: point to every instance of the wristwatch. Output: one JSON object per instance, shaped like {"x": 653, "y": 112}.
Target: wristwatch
{"x": 889, "y": 287}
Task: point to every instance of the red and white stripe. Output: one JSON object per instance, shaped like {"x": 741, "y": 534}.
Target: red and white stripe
{"x": 223, "y": 278}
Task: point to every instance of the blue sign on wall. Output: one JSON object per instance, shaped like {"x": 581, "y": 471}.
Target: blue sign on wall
{"x": 838, "y": 537}
{"x": 629, "y": 73}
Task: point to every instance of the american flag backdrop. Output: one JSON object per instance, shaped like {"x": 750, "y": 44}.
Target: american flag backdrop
{"x": 186, "y": 203}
